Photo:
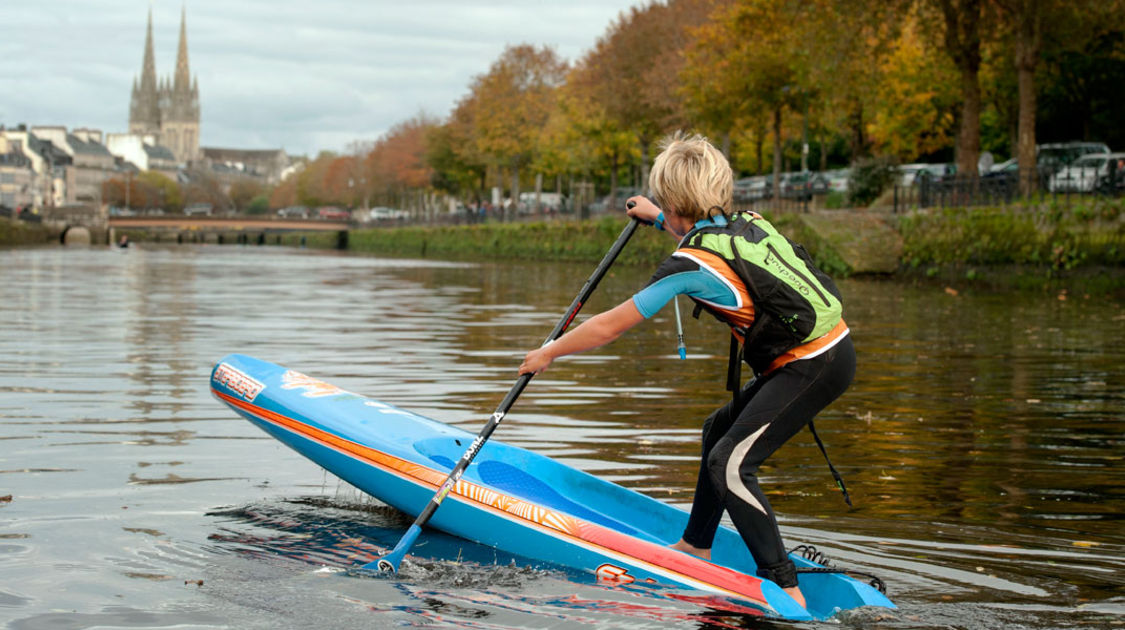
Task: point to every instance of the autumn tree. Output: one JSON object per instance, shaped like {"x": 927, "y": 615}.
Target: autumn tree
{"x": 128, "y": 192}
{"x": 202, "y": 187}
{"x": 311, "y": 185}
{"x": 633, "y": 70}
{"x": 768, "y": 61}
{"x": 1070, "y": 30}
{"x": 455, "y": 169}
{"x": 164, "y": 190}
{"x": 958, "y": 26}
{"x": 509, "y": 105}
{"x": 397, "y": 163}
{"x": 284, "y": 194}
{"x": 608, "y": 143}
{"x": 918, "y": 97}
{"x": 243, "y": 191}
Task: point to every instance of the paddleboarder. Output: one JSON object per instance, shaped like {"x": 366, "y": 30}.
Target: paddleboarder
{"x": 785, "y": 320}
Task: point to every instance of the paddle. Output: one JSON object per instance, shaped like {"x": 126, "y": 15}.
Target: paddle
{"x": 390, "y": 562}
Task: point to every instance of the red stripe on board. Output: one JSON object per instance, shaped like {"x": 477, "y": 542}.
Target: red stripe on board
{"x": 577, "y": 530}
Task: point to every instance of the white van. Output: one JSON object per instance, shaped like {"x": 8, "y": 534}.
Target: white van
{"x": 548, "y": 201}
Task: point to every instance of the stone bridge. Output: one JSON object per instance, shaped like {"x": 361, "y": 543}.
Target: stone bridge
{"x": 223, "y": 229}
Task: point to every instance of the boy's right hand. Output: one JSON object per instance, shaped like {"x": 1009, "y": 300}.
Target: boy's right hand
{"x": 642, "y": 209}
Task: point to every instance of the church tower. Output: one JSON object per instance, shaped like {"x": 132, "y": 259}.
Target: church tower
{"x": 180, "y": 114}
{"x": 144, "y": 107}
{"x": 169, "y": 108}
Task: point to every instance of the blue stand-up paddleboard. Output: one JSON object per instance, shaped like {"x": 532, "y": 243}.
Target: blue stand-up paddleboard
{"x": 511, "y": 498}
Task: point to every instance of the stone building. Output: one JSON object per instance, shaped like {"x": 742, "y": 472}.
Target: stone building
{"x": 90, "y": 162}
{"x": 265, "y": 166}
{"x": 48, "y": 164}
{"x": 17, "y": 180}
{"x": 143, "y": 152}
{"x": 167, "y": 109}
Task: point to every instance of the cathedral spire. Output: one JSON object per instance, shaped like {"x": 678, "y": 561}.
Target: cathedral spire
{"x": 148, "y": 67}
{"x": 144, "y": 108}
{"x": 182, "y": 81}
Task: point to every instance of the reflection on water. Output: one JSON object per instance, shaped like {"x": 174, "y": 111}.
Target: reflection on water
{"x": 982, "y": 444}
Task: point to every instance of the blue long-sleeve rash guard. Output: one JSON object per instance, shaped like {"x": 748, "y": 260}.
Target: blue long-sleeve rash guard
{"x": 680, "y": 274}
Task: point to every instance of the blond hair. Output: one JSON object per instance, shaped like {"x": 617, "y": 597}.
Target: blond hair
{"x": 691, "y": 178}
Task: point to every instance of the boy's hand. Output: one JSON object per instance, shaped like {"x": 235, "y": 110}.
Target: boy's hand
{"x": 642, "y": 209}
{"x": 535, "y": 361}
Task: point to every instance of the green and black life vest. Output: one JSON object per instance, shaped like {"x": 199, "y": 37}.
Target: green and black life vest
{"x": 794, "y": 302}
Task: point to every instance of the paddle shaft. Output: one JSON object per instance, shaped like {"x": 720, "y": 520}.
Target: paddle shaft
{"x": 391, "y": 561}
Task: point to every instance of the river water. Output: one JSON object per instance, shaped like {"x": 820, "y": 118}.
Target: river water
{"x": 982, "y": 443}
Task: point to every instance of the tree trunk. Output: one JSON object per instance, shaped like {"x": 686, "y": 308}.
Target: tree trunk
{"x": 612, "y": 182}
{"x": 968, "y": 139}
{"x": 823, "y": 154}
{"x": 962, "y": 43}
{"x": 538, "y": 190}
{"x": 777, "y": 154}
{"x": 513, "y": 207}
{"x": 759, "y": 142}
{"x": 1027, "y": 58}
{"x": 644, "y": 166}
{"x": 859, "y": 138}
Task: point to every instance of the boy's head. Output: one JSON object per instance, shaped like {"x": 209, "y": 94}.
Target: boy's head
{"x": 691, "y": 178}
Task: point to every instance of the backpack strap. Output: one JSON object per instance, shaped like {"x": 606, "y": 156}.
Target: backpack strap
{"x": 734, "y": 372}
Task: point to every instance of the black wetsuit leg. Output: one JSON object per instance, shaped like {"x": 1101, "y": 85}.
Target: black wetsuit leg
{"x": 773, "y": 409}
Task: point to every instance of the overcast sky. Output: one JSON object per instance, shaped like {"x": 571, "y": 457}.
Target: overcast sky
{"x": 301, "y": 75}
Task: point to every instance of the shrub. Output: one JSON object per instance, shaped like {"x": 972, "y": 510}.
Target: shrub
{"x": 869, "y": 179}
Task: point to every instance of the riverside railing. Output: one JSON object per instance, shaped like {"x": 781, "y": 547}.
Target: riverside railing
{"x": 1065, "y": 187}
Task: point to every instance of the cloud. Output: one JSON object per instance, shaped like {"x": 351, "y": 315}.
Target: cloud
{"x": 279, "y": 73}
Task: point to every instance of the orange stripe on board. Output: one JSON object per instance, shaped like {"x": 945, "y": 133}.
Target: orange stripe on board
{"x": 588, "y": 534}
{"x": 433, "y": 478}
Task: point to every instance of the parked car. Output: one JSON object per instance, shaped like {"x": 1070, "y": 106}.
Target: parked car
{"x": 1007, "y": 168}
{"x": 1052, "y": 157}
{"x": 802, "y": 185}
{"x": 838, "y": 179}
{"x": 382, "y": 213}
{"x": 909, "y": 174}
{"x": 195, "y": 209}
{"x": 548, "y": 202}
{"x": 1114, "y": 180}
{"x": 606, "y": 204}
{"x": 332, "y": 213}
{"x": 1088, "y": 173}
{"x": 749, "y": 189}
{"x": 294, "y": 212}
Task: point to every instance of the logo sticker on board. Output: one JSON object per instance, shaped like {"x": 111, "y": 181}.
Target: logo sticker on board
{"x": 237, "y": 381}
{"x": 615, "y": 574}
{"x": 314, "y": 388}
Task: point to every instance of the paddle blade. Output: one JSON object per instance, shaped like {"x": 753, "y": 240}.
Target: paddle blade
{"x": 389, "y": 563}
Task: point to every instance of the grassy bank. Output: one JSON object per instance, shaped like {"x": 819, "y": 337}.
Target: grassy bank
{"x": 1028, "y": 246}
{"x": 1011, "y": 246}
{"x": 22, "y": 233}
{"x": 585, "y": 241}
{"x": 557, "y": 240}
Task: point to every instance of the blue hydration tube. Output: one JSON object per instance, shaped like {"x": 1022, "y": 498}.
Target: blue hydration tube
{"x": 679, "y": 330}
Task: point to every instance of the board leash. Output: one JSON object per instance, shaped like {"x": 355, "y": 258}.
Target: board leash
{"x": 812, "y": 554}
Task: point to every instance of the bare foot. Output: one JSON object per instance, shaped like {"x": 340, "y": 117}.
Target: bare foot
{"x": 695, "y": 551}
{"x": 795, "y": 593}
